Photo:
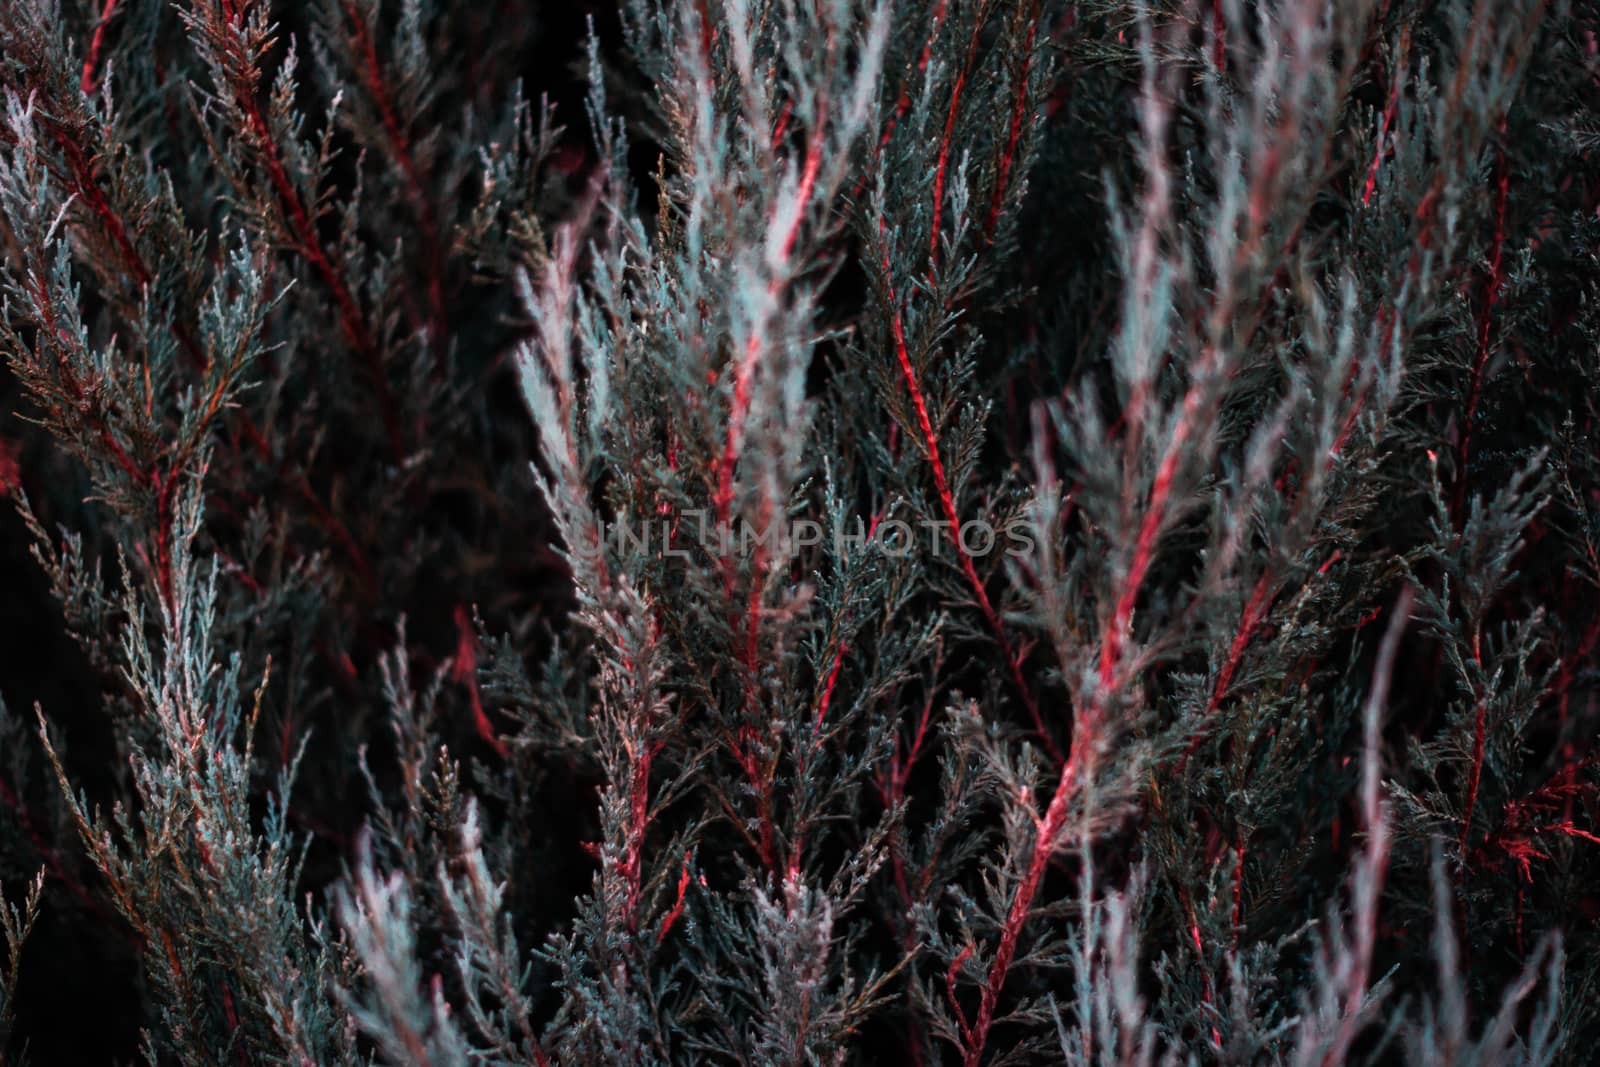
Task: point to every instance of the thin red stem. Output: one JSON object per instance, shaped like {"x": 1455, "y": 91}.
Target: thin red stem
{"x": 827, "y": 689}
{"x": 1149, "y": 532}
{"x": 400, "y": 145}
{"x": 1389, "y": 112}
{"x": 79, "y": 394}
{"x": 86, "y": 185}
{"x": 903, "y": 97}
{"x": 1018, "y": 109}
{"x": 952, "y": 518}
{"x": 88, "y": 190}
{"x": 91, "y": 61}
{"x": 839, "y": 653}
{"x": 950, "y": 992}
{"x": 465, "y": 671}
{"x": 738, "y": 413}
{"x": 1249, "y": 619}
{"x": 1206, "y": 992}
{"x": 744, "y": 372}
{"x": 309, "y": 244}
{"x": 672, "y": 915}
{"x": 639, "y": 819}
{"x": 1048, "y": 829}
{"x": 945, "y": 140}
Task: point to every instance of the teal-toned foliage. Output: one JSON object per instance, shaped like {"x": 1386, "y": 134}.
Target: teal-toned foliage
{"x": 776, "y": 532}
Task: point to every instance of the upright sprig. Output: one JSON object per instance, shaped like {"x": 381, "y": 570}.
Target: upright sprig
{"x": 16, "y": 922}
{"x": 211, "y": 897}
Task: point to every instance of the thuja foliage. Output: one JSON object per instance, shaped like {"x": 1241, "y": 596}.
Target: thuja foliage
{"x": 762, "y": 532}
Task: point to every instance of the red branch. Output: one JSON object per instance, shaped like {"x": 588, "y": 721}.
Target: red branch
{"x": 1008, "y": 157}
{"x": 232, "y": 1018}
{"x": 823, "y": 702}
{"x": 79, "y": 394}
{"x": 309, "y": 244}
{"x": 827, "y": 689}
{"x": 903, "y": 98}
{"x": 639, "y": 820}
{"x": 96, "y": 43}
{"x": 1520, "y": 820}
{"x": 947, "y": 504}
{"x": 1389, "y": 113}
{"x": 891, "y": 789}
{"x": 643, "y": 751}
{"x": 465, "y": 671}
{"x": 1249, "y": 620}
{"x": 839, "y": 653}
{"x": 1149, "y": 531}
{"x": 85, "y": 184}
{"x": 400, "y": 144}
{"x": 739, "y": 410}
{"x": 671, "y": 917}
{"x": 1207, "y": 994}
{"x": 708, "y": 35}
{"x": 744, "y": 373}
{"x": 1048, "y": 829}
{"x": 88, "y": 190}
{"x": 166, "y": 498}
{"x": 1491, "y": 296}
{"x": 782, "y": 125}
{"x": 950, "y": 992}
{"x": 944, "y": 143}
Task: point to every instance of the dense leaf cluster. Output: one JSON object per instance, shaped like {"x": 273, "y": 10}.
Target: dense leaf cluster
{"x": 928, "y": 531}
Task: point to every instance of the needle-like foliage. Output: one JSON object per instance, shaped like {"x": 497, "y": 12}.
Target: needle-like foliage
{"x": 967, "y": 532}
